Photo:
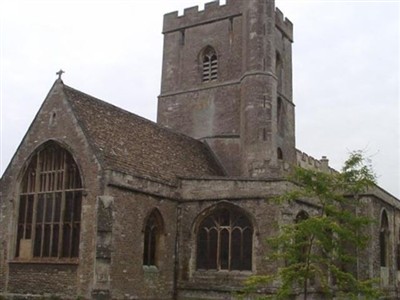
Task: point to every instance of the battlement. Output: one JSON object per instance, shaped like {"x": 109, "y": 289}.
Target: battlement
{"x": 283, "y": 24}
{"x": 214, "y": 11}
{"x": 192, "y": 16}
{"x": 308, "y": 162}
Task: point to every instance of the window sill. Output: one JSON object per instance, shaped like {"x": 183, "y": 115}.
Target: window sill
{"x": 202, "y": 272}
{"x": 150, "y": 269}
{"x": 44, "y": 261}
{"x": 216, "y": 279}
{"x": 224, "y": 271}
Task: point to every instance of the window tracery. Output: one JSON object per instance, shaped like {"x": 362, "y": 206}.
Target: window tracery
{"x": 225, "y": 241}
{"x": 50, "y": 206}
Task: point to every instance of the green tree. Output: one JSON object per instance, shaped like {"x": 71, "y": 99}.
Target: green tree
{"x": 321, "y": 246}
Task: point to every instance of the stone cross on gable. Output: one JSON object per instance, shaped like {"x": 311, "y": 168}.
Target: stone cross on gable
{"x": 59, "y": 73}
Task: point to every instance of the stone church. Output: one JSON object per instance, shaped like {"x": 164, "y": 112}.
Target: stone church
{"x": 99, "y": 203}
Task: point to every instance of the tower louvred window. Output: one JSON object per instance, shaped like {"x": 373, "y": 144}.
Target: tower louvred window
{"x": 210, "y": 65}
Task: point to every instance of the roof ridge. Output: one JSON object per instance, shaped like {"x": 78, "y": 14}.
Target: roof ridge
{"x": 164, "y": 146}
{"x": 155, "y": 124}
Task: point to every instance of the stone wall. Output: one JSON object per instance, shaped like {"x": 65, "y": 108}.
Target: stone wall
{"x": 53, "y": 122}
{"x": 237, "y": 114}
{"x": 129, "y": 279}
{"x": 255, "y": 199}
{"x": 59, "y": 280}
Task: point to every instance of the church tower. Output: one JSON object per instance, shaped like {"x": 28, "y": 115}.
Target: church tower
{"x": 227, "y": 80}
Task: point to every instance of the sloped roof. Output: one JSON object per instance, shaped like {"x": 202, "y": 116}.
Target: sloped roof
{"x": 131, "y": 144}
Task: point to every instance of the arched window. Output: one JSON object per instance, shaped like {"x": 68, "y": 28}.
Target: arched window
{"x": 302, "y": 238}
{"x": 50, "y": 205}
{"x": 152, "y": 233}
{"x": 301, "y": 216}
{"x": 210, "y": 64}
{"x": 225, "y": 241}
{"x": 398, "y": 252}
{"x": 384, "y": 240}
{"x": 279, "y": 153}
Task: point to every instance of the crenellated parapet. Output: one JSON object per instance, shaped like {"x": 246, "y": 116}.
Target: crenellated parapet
{"x": 283, "y": 24}
{"x": 192, "y": 16}
{"x": 308, "y": 162}
{"x": 214, "y": 11}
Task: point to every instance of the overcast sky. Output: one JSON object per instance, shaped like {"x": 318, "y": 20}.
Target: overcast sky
{"x": 345, "y": 61}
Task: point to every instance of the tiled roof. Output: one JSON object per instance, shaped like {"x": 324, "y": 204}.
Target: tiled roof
{"x": 131, "y": 144}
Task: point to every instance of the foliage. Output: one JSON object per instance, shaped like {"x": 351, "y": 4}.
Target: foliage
{"x": 320, "y": 248}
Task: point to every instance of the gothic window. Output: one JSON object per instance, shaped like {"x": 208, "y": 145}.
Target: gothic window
{"x": 398, "y": 253}
{"x": 384, "y": 240}
{"x": 225, "y": 241}
{"x": 210, "y": 65}
{"x": 50, "y": 206}
{"x": 301, "y": 216}
{"x": 280, "y": 154}
{"x": 302, "y": 240}
{"x": 152, "y": 233}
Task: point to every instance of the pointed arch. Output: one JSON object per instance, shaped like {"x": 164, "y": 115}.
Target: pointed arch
{"x": 50, "y": 200}
{"x": 301, "y": 239}
{"x": 384, "y": 239}
{"x": 153, "y": 229}
{"x": 398, "y": 251}
{"x": 301, "y": 216}
{"x": 279, "y": 153}
{"x": 209, "y": 61}
{"x": 224, "y": 240}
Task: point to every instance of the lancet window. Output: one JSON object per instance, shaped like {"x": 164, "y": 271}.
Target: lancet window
{"x": 384, "y": 240}
{"x": 152, "y": 234}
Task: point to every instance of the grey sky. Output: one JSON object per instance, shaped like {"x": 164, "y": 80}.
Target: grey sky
{"x": 345, "y": 60}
